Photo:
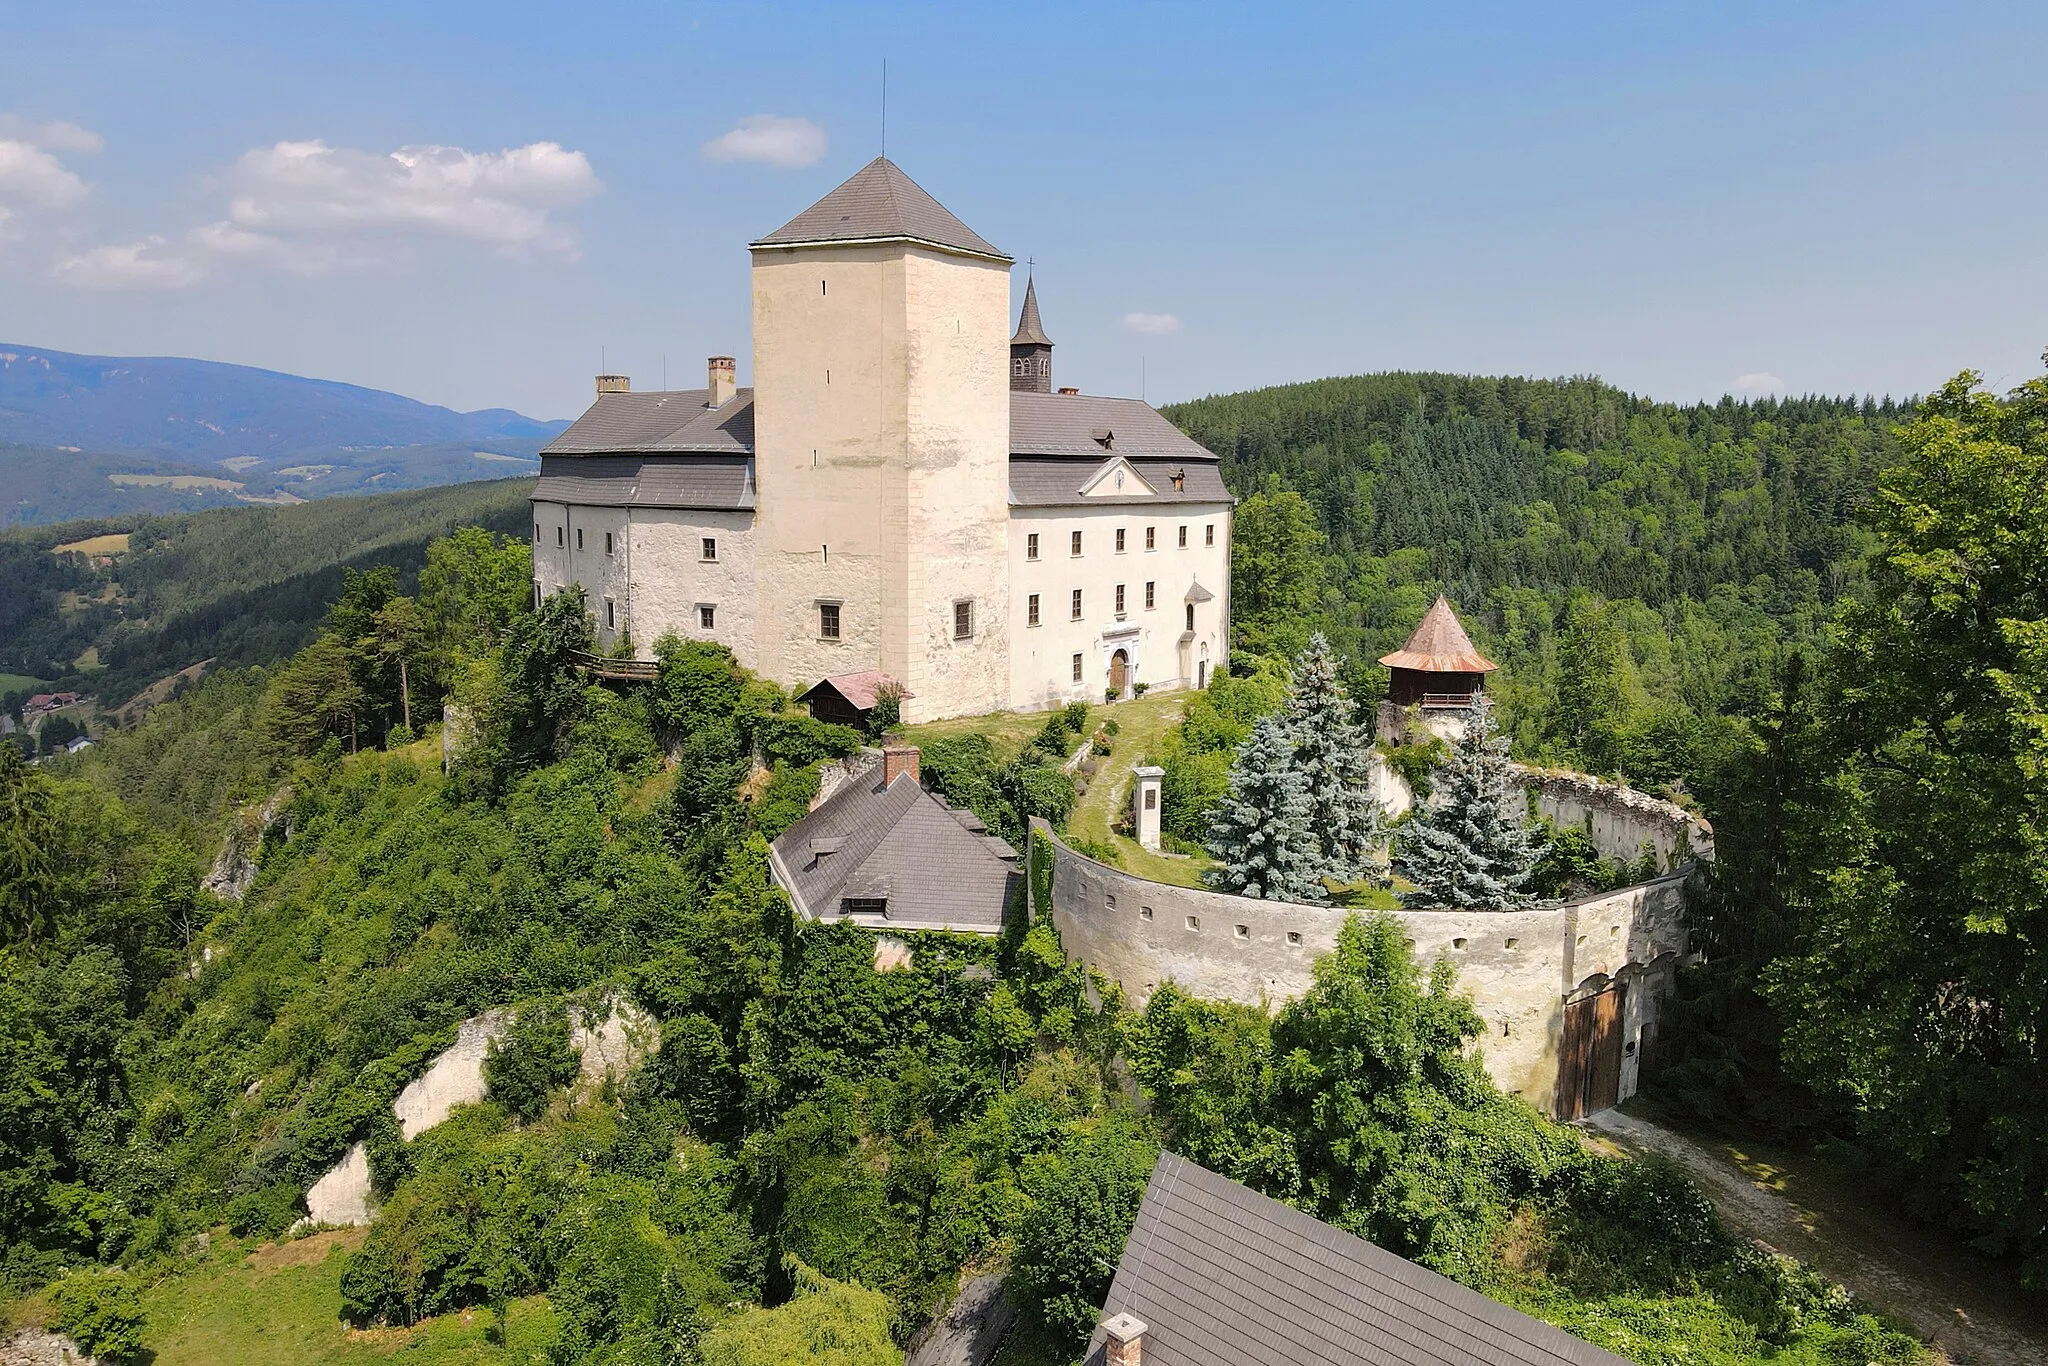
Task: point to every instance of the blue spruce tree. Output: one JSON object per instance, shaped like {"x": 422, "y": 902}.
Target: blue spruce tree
{"x": 1261, "y": 832}
{"x": 1334, "y": 753}
{"x": 1468, "y": 848}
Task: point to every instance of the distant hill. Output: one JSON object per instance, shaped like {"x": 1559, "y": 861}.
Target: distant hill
{"x": 94, "y": 436}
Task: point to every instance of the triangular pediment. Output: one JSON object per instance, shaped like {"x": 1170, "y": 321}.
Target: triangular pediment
{"x": 1117, "y": 478}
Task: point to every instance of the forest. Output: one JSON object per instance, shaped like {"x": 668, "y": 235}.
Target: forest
{"x": 1821, "y": 621}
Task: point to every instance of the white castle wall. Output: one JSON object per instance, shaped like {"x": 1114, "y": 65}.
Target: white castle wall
{"x": 1520, "y": 967}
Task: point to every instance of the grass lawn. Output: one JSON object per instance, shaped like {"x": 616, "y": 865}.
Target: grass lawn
{"x": 281, "y": 1302}
{"x": 16, "y": 682}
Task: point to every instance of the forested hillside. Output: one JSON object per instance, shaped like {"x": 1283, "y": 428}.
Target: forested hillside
{"x": 1638, "y": 569}
{"x": 240, "y": 586}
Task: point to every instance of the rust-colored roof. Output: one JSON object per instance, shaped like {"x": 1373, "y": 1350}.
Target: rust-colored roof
{"x": 1440, "y": 646}
{"x": 863, "y": 689}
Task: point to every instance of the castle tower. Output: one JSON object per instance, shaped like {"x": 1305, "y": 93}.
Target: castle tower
{"x": 1030, "y": 349}
{"x": 882, "y": 442}
{"x": 1438, "y": 670}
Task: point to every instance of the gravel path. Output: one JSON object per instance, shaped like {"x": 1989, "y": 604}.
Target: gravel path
{"x": 1972, "y": 1308}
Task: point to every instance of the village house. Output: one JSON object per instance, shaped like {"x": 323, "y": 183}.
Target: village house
{"x": 902, "y": 491}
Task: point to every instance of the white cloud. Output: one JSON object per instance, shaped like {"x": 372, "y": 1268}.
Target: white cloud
{"x": 1756, "y": 382}
{"x": 56, "y": 137}
{"x": 311, "y": 209}
{"x": 1151, "y": 324}
{"x": 771, "y": 139}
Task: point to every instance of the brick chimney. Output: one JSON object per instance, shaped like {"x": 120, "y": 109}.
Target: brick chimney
{"x": 1124, "y": 1341}
{"x": 614, "y": 384}
{"x": 720, "y": 370}
{"x": 899, "y": 759}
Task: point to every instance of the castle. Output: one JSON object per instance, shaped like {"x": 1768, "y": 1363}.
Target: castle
{"x": 902, "y": 491}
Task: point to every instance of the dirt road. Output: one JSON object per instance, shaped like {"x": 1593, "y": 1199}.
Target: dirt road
{"x": 1971, "y": 1307}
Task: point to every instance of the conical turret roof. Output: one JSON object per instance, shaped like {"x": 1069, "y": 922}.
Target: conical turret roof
{"x": 880, "y": 204}
{"x": 1029, "y": 331}
{"x": 1440, "y": 645}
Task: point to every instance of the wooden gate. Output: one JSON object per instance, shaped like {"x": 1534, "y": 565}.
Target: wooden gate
{"x": 1589, "y": 1059}
{"x": 1119, "y": 672}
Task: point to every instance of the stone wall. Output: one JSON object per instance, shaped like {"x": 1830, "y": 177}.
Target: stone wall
{"x": 1520, "y": 967}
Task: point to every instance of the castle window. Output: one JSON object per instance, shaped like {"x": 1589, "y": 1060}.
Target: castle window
{"x": 1031, "y": 546}
{"x": 1151, "y": 538}
{"x": 1244, "y": 932}
{"x": 963, "y": 619}
{"x": 1074, "y": 547}
{"x": 1209, "y": 534}
{"x": 1031, "y": 610}
{"x": 710, "y": 547}
{"x": 607, "y": 543}
{"x": 707, "y": 617}
{"x": 536, "y": 595}
{"x": 1020, "y": 366}
{"x": 828, "y": 621}
{"x": 1294, "y": 938}
{"x": 1144, "y": 912}
{"x": 1195, "y": 923}
{"x": 1119, "y": 599}
{"x": 579, "y": 538}
{"x": 1077, "y": 668}
{"x": 558, "y": 538}
{"x": 1076, "y": 614}
{"x": 611, "y": 618}
{"x": 1150, "y": 594}
{"x": 1183, "y": 538}
{"x": 1191, "y": 616}
{"x": 1119, "y": 540}
{"x": 864, "y": 905}
{"x": 536, "y": 533}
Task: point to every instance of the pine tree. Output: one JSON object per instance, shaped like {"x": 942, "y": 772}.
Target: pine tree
{"x": 1261, "y": 830}
{"x": 1469, "y": 848}
{"x": 1334, "y": 754}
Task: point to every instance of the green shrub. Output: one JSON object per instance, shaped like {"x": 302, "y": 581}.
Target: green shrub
{"x": 264, "y": 1213}
{"x": 1080, "y": 1204}
{"x": 98, "y": 1310}
{"x": 533, "y": 1058}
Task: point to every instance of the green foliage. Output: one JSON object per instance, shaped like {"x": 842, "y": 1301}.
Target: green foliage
{"x": 1471, "y": 848}
{"x": 1276, "y": 570}
{"x": 833, "y": 1323}
{"x": 1913, "y": 989}
{"x": 1199, "y": 750}
{"x": 964, "y": 770}
{"x": 1082, "y": 1198}
{"x": 99, "y": 1311}
{"x": 532, "y": 1060}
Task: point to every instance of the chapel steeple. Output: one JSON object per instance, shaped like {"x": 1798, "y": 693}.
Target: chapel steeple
{"x": 1030, "y": 349}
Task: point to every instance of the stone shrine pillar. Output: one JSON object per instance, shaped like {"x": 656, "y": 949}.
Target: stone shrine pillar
{"x": 1145, "y": 804}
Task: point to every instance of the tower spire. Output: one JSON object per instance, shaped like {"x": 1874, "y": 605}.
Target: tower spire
{"x": 1030, "y": 348}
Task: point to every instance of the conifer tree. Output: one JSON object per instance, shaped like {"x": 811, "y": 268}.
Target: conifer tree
{"x": 1261, "y": 830}
{"x": 1468, "y": 847}
{"x": 1333, "y": 751}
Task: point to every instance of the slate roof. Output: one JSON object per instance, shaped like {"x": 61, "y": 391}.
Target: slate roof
{"x": 672, "y": 420}
{"x": 880, "y": 204}
{"x": 713, "y": 482}
{"x": 937, "y": 867}
{"x": 1057, "y": 482}
{"x": 1073, "y": 424}
{"x": 1221, "y": 1276}
{"x": 1030, "y": 332}
{"x": 1439, "y": 645}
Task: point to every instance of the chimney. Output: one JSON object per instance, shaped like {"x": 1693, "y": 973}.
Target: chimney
{"x": 614, "y": 384}
{"x": 720, "y": 370}
{"x": 1070, "y": 392}
{"x": 899, "y": 759}
{"x": 1124, "y": 1341}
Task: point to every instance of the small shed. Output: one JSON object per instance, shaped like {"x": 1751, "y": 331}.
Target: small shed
{"x": 1439, "y": 666}
{"x": 849, "y": 699}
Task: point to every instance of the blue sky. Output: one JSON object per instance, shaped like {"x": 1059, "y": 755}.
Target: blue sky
{"x": 1680, "y": 199}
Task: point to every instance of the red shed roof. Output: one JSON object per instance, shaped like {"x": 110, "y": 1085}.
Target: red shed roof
{"x": 862, "y": 689}
{"x": 1440, "y": 646}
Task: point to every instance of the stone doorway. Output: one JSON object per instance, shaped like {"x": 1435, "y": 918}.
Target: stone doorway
{"x": 1119, "y": 672}
{"x": 1589, "y": 1058}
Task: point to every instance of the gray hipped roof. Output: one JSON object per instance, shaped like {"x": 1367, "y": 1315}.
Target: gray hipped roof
{"x": 674, "y": 420}
{"x": 1058, "y": 481}
{"x": 718, "y": 482}
{"x": 880, "y": 204}
{"x": 936, "y": 867}
{"x": 1076, "y": 424}
{"x": 1030, "y": 332}
{"x": 1221, "y": 1276}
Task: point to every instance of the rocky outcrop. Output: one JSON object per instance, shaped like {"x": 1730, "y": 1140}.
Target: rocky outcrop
{"x": 613, "y": 1035}
{"x": 37, "y": 1347}
{"x": 234, "y": 868}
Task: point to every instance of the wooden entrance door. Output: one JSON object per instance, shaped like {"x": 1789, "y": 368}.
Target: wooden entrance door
{"x": 1119, "y": 672}
{"x": 1589, "y": 1060}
